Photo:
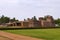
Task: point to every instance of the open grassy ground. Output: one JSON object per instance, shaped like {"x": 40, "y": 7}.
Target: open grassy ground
{"x": 48, "y": 34}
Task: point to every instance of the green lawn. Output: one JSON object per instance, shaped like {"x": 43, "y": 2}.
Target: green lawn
{"x": 48, "y": 34}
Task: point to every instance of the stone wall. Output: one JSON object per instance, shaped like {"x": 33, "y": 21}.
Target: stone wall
{"x": 46, "y": 21}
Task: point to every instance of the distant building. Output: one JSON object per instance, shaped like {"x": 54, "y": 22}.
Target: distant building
{"x": 47, "y": 21}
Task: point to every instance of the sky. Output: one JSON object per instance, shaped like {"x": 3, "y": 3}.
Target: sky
{"x": 21, "y": 9}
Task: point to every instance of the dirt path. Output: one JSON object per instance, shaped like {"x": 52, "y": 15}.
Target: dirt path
{"x": 16, "y": 37}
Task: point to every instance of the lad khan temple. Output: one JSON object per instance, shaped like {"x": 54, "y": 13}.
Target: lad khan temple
{"x": 46, "y": 21}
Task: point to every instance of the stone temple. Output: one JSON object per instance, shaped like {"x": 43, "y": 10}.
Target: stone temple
{"x": 46, "y": 21}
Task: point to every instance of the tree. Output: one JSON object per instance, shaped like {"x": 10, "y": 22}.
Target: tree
{"x": 57, "y": 21}
{"x": 13, "y": 20}
{"x": 4, "y": 19}
{"x": 34, "y": 18}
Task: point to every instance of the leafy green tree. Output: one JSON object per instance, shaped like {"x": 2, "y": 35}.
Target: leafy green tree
{"x": 4, "y": 19}
{"x": 57, "y": 21}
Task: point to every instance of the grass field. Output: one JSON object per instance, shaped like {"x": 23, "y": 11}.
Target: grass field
{"x": 48, "y": 34}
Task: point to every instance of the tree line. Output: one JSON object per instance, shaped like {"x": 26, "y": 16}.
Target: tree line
{"x": 5, "y": 19}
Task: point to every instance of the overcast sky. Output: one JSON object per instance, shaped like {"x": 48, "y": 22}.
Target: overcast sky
{"x": 27, "y": 8}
